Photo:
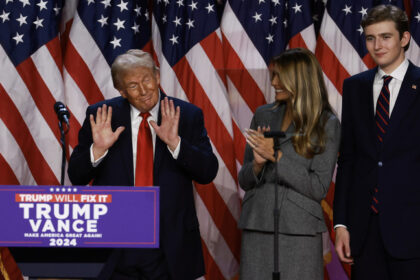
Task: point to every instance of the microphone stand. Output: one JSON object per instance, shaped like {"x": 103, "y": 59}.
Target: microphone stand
{"x": 276, "y": 211}
{"x": 63, "y": 147}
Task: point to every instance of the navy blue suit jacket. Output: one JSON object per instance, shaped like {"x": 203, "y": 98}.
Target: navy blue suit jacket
{"x": 179, "y": 228}
{"x": 393, "y": 166}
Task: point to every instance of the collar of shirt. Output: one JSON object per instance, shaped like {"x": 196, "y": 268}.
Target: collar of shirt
{"x": 394, "y": 86}
{"x": 397, "y": 74}
{"x": 135, "y": 113}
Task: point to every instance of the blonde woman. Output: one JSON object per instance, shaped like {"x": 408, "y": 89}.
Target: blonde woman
{"x": 304, "y": 163}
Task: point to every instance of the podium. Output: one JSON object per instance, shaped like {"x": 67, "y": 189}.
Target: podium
{"x": 82, "y": 263}
{"x": 71, "y": 232}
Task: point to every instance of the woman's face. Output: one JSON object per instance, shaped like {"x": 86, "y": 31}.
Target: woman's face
{"x": 281, "y": 93}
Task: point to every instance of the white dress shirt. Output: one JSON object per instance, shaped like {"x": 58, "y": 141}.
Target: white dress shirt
{"x": 394, "y": 85}
{"x": 136, "y": 120}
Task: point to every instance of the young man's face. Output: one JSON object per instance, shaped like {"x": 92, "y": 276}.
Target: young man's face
{"x": 385, "y": 45}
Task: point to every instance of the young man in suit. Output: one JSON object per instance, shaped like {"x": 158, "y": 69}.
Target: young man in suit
{"x": 377, "y": 194}
{"x": 108, "y": 153}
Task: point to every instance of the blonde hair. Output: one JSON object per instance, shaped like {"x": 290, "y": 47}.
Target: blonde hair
{"x": 300, "y": 74}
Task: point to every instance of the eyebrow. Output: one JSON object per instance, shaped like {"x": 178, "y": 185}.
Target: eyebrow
{"x": 379, "y": 35}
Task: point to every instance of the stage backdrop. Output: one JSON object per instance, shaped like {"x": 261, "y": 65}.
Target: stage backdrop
{"x": 212, "y": 53}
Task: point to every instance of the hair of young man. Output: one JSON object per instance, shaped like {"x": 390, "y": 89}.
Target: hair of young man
{"x": 392, "y": 13}
{"x": 300, "y": 74}
{"x": 129, "y": 60}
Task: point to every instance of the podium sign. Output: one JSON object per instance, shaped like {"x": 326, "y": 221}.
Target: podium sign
{"x": 75, "y": 216}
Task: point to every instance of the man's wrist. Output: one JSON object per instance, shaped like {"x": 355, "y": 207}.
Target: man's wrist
{"x": 339, "y": 226}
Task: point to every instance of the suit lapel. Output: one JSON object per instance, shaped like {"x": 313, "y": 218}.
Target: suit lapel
{"x": 366, "y": 99}
{"x": 406, "y": 96}
{"x": 121, "y": 115}
{"x": 275, "y": 120}
{"x": 160, "y": 146}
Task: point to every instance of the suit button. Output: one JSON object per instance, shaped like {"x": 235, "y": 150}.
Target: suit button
{"x": 380, "y": 164}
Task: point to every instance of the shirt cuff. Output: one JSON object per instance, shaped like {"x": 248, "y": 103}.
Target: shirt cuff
{"x": 99, "y": 160}
{"x": 339, "y": 225}
{"x": 175, "y": 153}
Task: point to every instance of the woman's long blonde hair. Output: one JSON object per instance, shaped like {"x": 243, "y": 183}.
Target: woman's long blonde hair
{"x": 300, "y": 74}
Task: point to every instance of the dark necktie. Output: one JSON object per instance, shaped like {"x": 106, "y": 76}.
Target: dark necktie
{"x": 382, "y": 109}
{"x": 382, "y": 122}
{"x": 144, "y": 160}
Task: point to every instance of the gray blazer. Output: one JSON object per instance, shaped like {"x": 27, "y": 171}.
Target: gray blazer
{"x": 302, "y": 182}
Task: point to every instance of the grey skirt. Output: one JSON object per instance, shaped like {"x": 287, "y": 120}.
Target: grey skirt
{"x": 300, "y": 256}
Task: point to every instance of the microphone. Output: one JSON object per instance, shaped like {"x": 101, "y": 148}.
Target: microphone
{"x": 62, "y": 112}
{"x": 274, "y": 133}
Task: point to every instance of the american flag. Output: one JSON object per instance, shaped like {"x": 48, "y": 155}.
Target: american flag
{"x": 217, "y": 61}
{"x": 187, "y": 42}
{"x": 413, "y": 52}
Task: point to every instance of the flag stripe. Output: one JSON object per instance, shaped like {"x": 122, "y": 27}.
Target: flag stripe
{"x": 75, "y": 65}
{"x": 8, "y": 176}
{"x": 15, "y": 124}
{"x": 212, "y": 270}
{"x": 92, "y": 56}
{"x": 222, "y": 218}
{"x": 41, "y": 95}
{"x": 210, "y": 45}
{"x": 54, "y": 47}
{"x": 331, "y": 66}
{"x": 340, "y": 46}
{"x": 245, "y": 49}
{"x": 8, "y": 268}
{"x": 11, "y": 153}
{"x": 218, "y": 250}
{"x": 241, "y": 78}
{"x": 214, "y": 125}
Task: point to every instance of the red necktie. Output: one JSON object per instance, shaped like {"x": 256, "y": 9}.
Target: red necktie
{"x": 144, "y": 160}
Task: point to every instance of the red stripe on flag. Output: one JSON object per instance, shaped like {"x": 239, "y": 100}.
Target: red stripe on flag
{"x": 41, "y": 94}
{"x": 65, "y": 36}
{"x": 297, "y": 42}
{"x": 212, "y": 269}
{"x": 240, "y": 143}
{"x": 71, "y": 137}
{"x": 210, "y": 44}
{"x": 8, "y": 267}
{"x": 222, "y": 217}
{"x": 329, "y": 198}
{"x": 80, "y": 72}
{"x": 7, "y": 177}
{"x": 40, "y": 170}
{"x": 54, "y": 48}
{"x": 330, "y": 64}
{"x": 368, "y": 60}
{"x": 215, "y": 127}
{"x": 240, "y": 77}
{"x": 148, "y": 47}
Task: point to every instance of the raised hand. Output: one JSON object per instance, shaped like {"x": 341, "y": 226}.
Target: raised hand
{"x": 102, "y": 134}
{"x": 168, "y": 129}
{"x": 262, "y": 147}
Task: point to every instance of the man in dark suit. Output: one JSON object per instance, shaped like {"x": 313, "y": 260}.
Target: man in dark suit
{"x": 107, "y": 154}
{"x": 377, "y": 195}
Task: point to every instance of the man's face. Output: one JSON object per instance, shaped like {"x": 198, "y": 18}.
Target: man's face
{"x": 385, "y": 45}
{"x": 141, "y": 87}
